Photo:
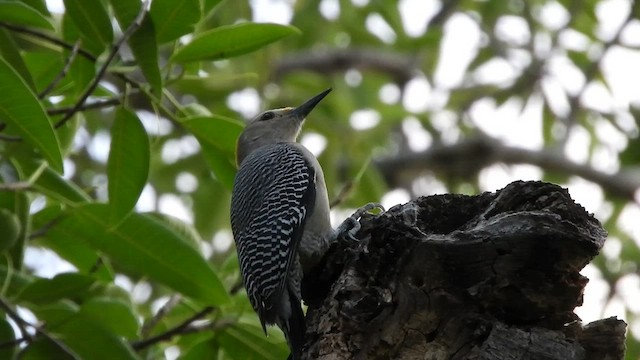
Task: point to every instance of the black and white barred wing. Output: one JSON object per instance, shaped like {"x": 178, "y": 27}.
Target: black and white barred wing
{"x": 273, "y": 194}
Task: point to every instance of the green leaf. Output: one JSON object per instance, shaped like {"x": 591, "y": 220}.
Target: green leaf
{"x": 63, "y": 243}
{"x": 20, "y": 109}
{"x": 44, "y": 349}
{"x": 244, "y": 341}
{"x": 174, "y": 18}
{"x": 39, "y": 5}
{"x": 548, "y": 121}
{"x": 218, "y": 131}
{"x": 128, "y": 165}
{"x": 22, "y": 206}
{"x": 223, "y": 169}
{"x": 217, "y": 136}
{"x": 114, "y": 315}
{"x": 210, "y": 191}
{"x": 186, "y": 231}
{"x": 16, "y": 12}
{"x": 9, "y": 50}
{"x": 82, "y": 70}
{"x": 145, "y": 49}
{"x": 44, "y": 68}
{"x": 55, "y": 312}
{"x": 67, "y": 132}
{"x": 142, "y": 42}
{"x": 90, "y": 340}
{"x": 82, "y": 331}
{"x": 580, "y": 59}
{"x": 208, "y": 5}
{"x": 232, "y": 40}
{"x": 10, "y": 227}
{"x": 194, "y": 110}
{"x": 17, "y": 203}
{"x": 52, "y": 184}
{"x": 65, "y": 285}
{"x": 144, "y": 245}
{"x": 206, "y": 349}
{"x": 7, "y": 335}
{"x": 631, "y": 154}
{"x": 126, "y": 11}
{"x": 17, "y": 281}
{"x": 91, "y": 19}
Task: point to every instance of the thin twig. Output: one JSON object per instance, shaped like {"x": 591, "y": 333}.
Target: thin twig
{"x": 49, "y": 38}
{"x": 67, "y": 46}
{"x": 16, "y": 186}
{"x": 61, "y": 75}
{"x": 88, "y": 106}
{"x": 214, "y": 326}
{"x": 63, "y": 110}
{"x": 103, "y": 69}
{"x": 22, "y": 324}
{"x": 239, "y": 285}
{"x": 42, "y": 231}
{"x": 153, "y": 321}
{"x": 10, "y": 138}
{"x": 96, "y": 266}
{"x": 84, "y": 53}
{"x": 169, "y": 334}
{"x": 14, "y": 342}
{"x": 345, "y": 191}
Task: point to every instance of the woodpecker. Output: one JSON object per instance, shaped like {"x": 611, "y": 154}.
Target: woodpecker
{"x": 280, "y": 217}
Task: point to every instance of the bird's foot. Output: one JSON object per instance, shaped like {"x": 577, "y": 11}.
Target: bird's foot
{"x": 351, "y": 225}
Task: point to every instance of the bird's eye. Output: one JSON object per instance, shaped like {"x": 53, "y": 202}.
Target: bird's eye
{"x": 267, "y": 116}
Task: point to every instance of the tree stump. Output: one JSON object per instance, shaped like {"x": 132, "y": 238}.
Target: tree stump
{"x": 491, "y": 276}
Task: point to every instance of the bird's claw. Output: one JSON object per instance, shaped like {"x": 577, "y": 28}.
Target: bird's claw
{"x": 351, "y": 225}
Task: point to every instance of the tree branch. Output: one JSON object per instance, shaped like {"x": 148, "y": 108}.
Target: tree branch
{"x": 148, "y": 326}
{"x": 62, "y": 73}
{"x": 12, "y": 343}
{"x": 103, "y": 69}
{"x": 44, "y": 36}
{"x": 16, "y": 186}
{"x": 10, "y": 138}
{"x": 87, "y": 106}
{"x": 22, "y": 324}
{"x": 213, "y": 326}
{"x": 399, "y": 66}
{"x": 169, "y": 334}
{"x": 467, "y": 157}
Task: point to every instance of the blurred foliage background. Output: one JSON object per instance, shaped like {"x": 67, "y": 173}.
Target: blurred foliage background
{"x": 118, "y": 128}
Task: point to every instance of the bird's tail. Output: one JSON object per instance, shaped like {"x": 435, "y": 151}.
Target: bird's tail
{"x": 295, "y": 327}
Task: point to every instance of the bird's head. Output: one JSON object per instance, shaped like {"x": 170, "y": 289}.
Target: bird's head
{"x": 275, "y": 126}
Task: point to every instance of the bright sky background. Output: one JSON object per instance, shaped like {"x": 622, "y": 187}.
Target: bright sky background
{"x": 461, "y": 38}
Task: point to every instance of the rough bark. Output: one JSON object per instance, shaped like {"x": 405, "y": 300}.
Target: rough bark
{"x": 491, "y": 276}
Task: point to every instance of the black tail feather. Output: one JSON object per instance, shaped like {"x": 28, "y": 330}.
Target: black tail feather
{"x": 296, "y": 327}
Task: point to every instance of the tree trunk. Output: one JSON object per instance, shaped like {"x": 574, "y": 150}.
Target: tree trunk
{"x": 491, "y": 276}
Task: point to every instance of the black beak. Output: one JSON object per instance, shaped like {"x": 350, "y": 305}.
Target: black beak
{"x": 303, "y": 110}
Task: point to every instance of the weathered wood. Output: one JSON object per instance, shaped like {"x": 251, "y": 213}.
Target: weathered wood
{"x": 492, "y": 276}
